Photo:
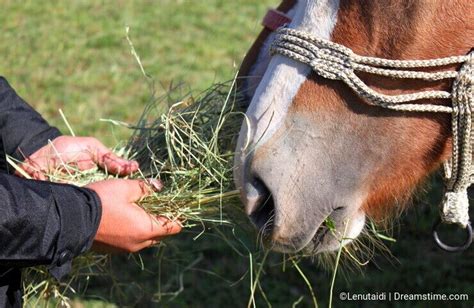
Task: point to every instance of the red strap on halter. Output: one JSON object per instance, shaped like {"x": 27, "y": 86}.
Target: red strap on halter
{"x": 275, "y": 19}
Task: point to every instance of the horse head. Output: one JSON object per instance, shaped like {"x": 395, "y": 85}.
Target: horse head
{"x": 312, "y": 151}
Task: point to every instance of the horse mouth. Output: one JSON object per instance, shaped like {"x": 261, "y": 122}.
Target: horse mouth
{"x": 290, "y": 228}
{"x": 262, "y": 215}
{"x": 308, "y": 242}
{"x": 308, "y": 245}
{"x": 323, "y": 240}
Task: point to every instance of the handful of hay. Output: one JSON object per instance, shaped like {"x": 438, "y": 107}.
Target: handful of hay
{"x": 189, "y": 148}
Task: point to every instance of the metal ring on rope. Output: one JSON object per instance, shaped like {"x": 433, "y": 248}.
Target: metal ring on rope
{"x": 447, "y": 247}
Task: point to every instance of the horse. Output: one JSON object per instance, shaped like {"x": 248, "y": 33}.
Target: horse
{"x": 312, "y": 155}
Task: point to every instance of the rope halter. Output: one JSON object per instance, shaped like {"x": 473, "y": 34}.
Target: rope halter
{"x": 337, "y": 62}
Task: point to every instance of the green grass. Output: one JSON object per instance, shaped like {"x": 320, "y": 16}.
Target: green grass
{"x": 73, "y": 55}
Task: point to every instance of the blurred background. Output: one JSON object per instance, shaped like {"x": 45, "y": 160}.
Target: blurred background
{"x": 74, "y": 55}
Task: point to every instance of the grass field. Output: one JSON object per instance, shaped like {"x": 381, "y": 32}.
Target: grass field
{"x": 73, "y": 55}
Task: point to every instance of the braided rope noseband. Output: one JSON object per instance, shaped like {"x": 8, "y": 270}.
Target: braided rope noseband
{"x": 337, "y": 62}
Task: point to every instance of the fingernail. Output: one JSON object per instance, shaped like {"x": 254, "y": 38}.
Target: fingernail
{"x": 156, "y": 184}
{"x": 134, "y": 166}
{"x": 130, "y": 166}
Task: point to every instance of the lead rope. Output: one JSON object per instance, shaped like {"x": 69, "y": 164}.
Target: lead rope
{"x": 337, "y": 62}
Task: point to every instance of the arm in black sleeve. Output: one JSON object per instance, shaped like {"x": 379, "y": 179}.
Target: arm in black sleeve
{"x": 22, "y": 129}
{"x": 45, "y": 223}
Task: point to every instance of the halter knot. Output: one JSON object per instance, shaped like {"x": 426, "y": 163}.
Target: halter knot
{"x": 327, "y": 69}
{"x": 455, "y": 208}
{"x": 458, "y": 169}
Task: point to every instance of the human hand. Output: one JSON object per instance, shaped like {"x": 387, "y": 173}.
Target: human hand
{"x": 81, "y": 152}
{"x": 124, "y": 226}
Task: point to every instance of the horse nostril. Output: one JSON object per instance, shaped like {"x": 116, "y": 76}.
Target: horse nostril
{"x": 262, "y": 217}
{"x": 262, "y": 207}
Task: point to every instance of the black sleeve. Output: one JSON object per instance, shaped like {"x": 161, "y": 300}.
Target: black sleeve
{"x": 22, "y": 129}
{"x": 45, "y": 223}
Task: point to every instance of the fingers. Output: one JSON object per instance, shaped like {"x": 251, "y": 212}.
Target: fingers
{"x": 164, "y": 227}
{"x": 117, "y": 165}
{"x": 138, "y": 189}
{"x": 160, "y": 227}
{"x": 33, "y": 169}
{"x": 124, "y": 224}
{"x": 145, "y": 244}
{"x": 82, "y": 153}
{"x": 79, "y": 163}
{"x": 114, "y": 164}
